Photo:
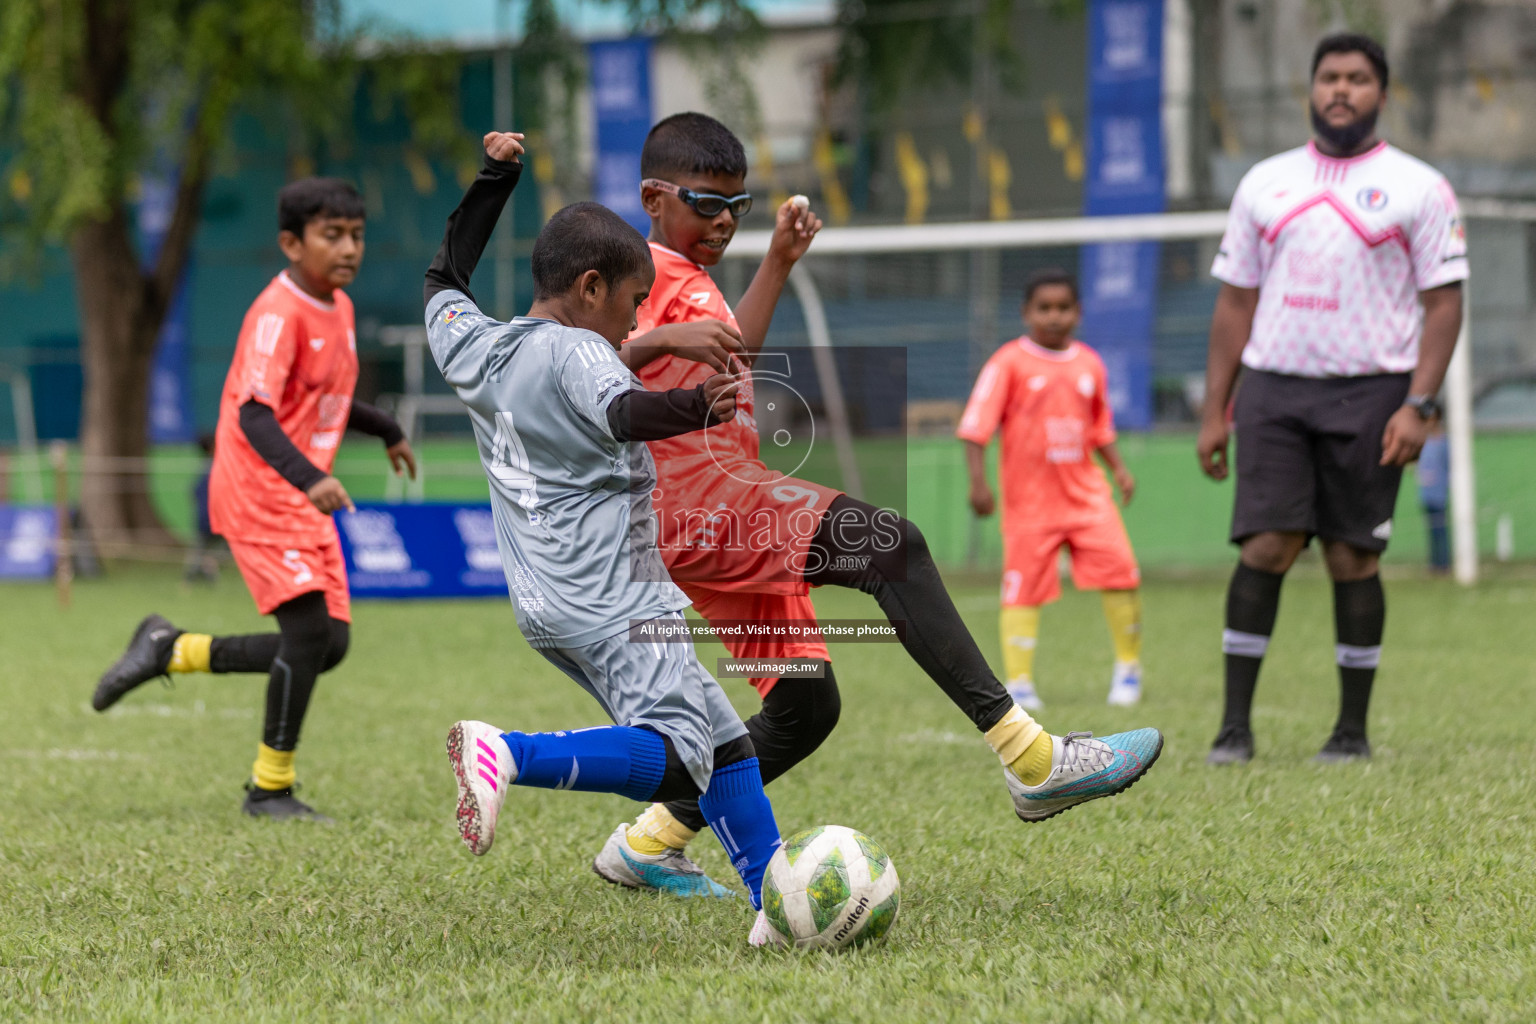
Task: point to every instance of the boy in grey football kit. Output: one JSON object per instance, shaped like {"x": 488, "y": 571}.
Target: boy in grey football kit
{"x": 557, "y": 420}
{"x": 572, "y": 505}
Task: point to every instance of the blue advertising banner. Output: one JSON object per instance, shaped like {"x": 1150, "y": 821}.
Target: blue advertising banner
{"x": 170, "y": 396}
{"x": 434, "y": 549}
{"x": 621, "y": 108}
{"x": 26, "y": 542}
{"x": 1124, "y": 176}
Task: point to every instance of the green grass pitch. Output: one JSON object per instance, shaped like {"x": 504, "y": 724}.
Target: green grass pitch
{"x": 132, "y": 889}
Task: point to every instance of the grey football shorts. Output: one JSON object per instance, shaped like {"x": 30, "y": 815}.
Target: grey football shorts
{"x": 1309, "y": 457}
{"x": 658, "y": 686}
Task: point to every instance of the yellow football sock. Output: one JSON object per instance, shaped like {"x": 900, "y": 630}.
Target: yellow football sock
{"x": 1023, "y": 745}
{"x": 273, "y": 768}
{"x": 657, "y": 831}
{"x": 1019, "y": 625}
{"x": 1122, "y": 609}
{"x": 191, "y": 653}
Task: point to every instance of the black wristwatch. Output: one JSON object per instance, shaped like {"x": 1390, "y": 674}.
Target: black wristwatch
{"x": 1427, "y": 406}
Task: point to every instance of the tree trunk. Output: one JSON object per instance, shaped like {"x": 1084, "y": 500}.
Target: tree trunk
{"x": 119, "y": 324}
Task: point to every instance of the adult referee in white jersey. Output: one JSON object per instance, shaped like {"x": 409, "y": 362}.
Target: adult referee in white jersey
{"x": 1341, "y": 300}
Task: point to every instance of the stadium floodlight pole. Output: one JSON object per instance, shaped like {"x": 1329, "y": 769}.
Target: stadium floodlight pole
{"x": 1458, "y": 429}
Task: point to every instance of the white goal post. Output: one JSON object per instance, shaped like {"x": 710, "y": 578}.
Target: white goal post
{"x": 1024, "y": 234}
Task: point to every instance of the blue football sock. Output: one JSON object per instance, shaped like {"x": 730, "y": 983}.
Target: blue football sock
{"x": 608, "y": 759}
{"x": 742, "y": 819}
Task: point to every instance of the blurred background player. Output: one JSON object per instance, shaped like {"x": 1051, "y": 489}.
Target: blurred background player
{"x": 556, "y": 418}
{"x": 717, "y": 502}
{"x": 1049, "y": 395}
{"x": 1434, "y": 478}
{"x": 287, "y": 401}
{"x": 1341, "y": 300}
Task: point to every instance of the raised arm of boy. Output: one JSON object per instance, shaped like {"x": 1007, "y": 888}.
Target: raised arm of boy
{"x": 793, "y": 229}
{"x": 472, "y": 221}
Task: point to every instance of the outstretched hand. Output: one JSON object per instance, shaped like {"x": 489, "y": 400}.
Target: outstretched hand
{"x": 793, "y": 229}
{"x": 503, "y": 145}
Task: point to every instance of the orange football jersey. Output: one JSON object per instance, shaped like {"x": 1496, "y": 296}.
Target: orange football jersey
{"x": 297, "y": 355}
{"x": 1053, "y": 410}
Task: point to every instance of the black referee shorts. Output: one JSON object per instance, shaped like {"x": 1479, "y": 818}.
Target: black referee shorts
{"x": 1309, "y": 457}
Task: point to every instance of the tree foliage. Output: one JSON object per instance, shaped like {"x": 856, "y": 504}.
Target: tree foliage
{"x": 102, "y": 91}
{"x": 891, "y": 47}
{"x": 96, "y": 93}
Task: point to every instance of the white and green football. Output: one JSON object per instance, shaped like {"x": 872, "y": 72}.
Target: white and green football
{"x": 831, "y": 887}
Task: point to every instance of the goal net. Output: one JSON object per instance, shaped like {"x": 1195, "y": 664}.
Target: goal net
{"x": 949, "y": 294}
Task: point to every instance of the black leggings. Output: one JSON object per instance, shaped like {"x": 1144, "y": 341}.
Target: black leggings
{"x": 885, "y": 556}
{"x": 796, "y": 716}
{"x": 677, "y": 785}
{"x": 308, "y": 642}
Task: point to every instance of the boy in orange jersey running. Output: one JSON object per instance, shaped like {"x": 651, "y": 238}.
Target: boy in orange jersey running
{"x": 286, "y": 403}
{"x": 1048, "y": 394}
{"x": 746, "y": 543}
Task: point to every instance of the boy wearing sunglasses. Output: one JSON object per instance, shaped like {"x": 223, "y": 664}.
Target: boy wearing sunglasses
{"x": 745, "y": 543}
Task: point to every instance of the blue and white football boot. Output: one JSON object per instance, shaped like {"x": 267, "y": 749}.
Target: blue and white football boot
{"x": 669, "y": 872}
{"x": 1083, "y": 769}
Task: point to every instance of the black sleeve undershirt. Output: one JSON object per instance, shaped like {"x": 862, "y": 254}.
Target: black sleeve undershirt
{"x": 375, "y": 422}
{"x": 262, "y": 430}
{"x": 639, "y": 415}
{"x": 470, "y": 226}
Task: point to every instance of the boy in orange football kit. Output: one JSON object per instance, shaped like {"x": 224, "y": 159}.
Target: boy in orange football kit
{"x": 746, "y": 543}
{"x": 287, "y": 401}
{"x": 1048, "y": 394}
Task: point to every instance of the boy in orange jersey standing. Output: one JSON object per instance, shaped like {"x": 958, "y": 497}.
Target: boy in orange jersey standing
{"x": 287, "y": 401}
{"x": 1047, "y": 392}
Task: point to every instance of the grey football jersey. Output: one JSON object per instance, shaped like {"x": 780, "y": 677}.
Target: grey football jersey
{"x": 572, "y": 505}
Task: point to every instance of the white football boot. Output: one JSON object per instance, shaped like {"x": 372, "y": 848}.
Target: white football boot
{"x": 1125, "y": 685}
{"x": 1083, "y": 769}
{"x": 483, "y": 765}
{"x": 765, "y": 934}
{"x": 670, "y": 871}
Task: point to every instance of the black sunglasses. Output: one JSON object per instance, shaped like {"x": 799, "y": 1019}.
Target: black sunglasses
{"x": 705, "y": 204}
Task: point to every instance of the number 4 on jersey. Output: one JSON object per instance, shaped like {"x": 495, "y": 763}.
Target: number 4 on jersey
{"x": 509, "y": 466}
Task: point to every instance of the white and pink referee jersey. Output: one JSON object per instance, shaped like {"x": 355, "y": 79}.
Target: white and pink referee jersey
{"x": 1339, "y": 250}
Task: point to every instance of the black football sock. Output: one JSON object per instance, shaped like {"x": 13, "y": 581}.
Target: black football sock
{"x": 887, "y": 557}
{"x": 1253, "y": 601}
{"x": 306, "y": 640}
{"x": 252, "y": 652}
{"x": 796, "y": 716}
{"x": 1359, "y": 618}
